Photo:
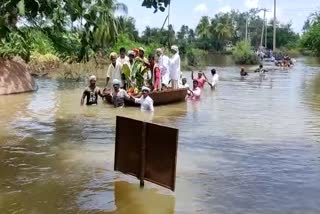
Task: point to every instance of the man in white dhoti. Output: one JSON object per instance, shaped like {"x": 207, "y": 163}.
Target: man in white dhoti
{"x": 164, "y": 67}
{"x": 175, "y": 71}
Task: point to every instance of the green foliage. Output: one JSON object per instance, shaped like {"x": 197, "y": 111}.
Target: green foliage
{"x": 124, "y": 41}
{"x": 40, "y": 42}
{"x": 138, "y": 71}
{"x": 156, "y": 4}
{"x": 195, "y": 57}
{"x": 243, "y": 54}
{"x": 311, "y": 37}
{"x": 14, "y": 44}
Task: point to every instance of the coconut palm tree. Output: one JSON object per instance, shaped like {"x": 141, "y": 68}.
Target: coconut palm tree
{"x": 203, "y": 28}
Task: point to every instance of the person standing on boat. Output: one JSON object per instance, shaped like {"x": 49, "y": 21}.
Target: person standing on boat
{"x": 195, "y": 93}
{"x": 164, "y": 67}
{"x": 202, "y": 79}
{"x": 91, "y": 92}
{"x": 114, "y": 70}
{"x": 175, "y": 71}
{"x": 122, "y": 59}
{"x": 118, "y": 95}
{"x": 131, "y": 56}
{"x": 130, "y": 63}
{"x": 145, "y": 100}
{"x": 156, "y": 75}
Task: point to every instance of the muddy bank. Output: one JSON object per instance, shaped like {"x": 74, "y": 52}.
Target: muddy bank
{"x": 15, "y": 77}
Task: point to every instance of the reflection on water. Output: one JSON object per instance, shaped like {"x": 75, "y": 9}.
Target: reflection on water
{"x": 251, "y": 146}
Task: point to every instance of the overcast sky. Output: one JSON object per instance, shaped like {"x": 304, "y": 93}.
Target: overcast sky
{"x": 189, "y": 12}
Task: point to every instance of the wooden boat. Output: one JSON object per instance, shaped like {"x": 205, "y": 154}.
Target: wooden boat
{"x": 159, "y": 97}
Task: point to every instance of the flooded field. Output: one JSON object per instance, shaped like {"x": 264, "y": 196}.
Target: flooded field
{"x": 251, "y": 146}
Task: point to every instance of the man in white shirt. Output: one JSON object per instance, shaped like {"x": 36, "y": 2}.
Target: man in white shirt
{"x": 145, "y": 100}
{"x": 215, "y": 79}
{"x": 175, "y": 71}
{"x": 114, "y": 71}
{"x": 164, "y": 67}
{"x": 122, "y": 59}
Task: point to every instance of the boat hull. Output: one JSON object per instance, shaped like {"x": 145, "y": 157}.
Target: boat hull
{"x": 159, "y": 97}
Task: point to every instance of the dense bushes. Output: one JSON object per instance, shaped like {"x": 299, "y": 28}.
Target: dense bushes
{"x": 243, "y": 54}
{"x": 311, "y": 38}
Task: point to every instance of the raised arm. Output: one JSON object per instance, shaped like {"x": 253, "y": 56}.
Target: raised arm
{"x": 192, "y": 75}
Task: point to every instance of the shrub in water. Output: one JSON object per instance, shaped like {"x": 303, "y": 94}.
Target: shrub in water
{"x": 243, "y": 54}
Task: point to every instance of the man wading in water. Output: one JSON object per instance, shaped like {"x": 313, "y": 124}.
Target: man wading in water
{"x": 118, "y": 95}
{"x": 91, "y": 92}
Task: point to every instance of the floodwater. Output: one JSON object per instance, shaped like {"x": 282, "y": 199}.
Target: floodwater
{"x": 251, "y": 146}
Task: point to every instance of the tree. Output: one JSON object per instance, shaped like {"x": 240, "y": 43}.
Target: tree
{"x": 127, "y": 26}
{"x": 156, "y": 4}
{"x": 311, "y": 37}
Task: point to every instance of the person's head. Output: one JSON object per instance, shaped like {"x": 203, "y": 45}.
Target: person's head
{"x": 141, "y": 52}
{"x": 145, "y": 91}
{"x": 200, "y": 74}
{"x": 195, "y": 83}
{"x": 136, "y": 52}
{"x": 174, "y": 49}
{"x": 159, "y": 52}
{"x": 213, "y": 72}
{"x": 151, "y": 59}
{"x": 131, "y": 55}
{"x": 122, "y": 52}
{"x": 260, "y": 66}
{"x": 184, "y": 81}
{"x": 116, "y": 84}
{"x": 113, "y": 57}
{"x": 242, "y": 69}
{"x": 92, "y": 80}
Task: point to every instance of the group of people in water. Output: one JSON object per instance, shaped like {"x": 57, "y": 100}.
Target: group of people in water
{"x": 164, "y": 73}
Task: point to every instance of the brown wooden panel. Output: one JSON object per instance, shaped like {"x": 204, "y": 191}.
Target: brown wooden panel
{"x": 128, "y": 146}
{"x": 161, "y": 153}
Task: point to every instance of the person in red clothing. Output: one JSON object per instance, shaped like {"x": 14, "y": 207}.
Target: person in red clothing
{"x": 155, "y": 72}
{"x": 202, "y": 79}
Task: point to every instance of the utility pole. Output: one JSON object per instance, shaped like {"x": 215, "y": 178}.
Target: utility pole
{"x": 169, "y": 33}
{"x": 247, "y": 29}
{"x": 263, "y": 26}
{"x": 266, "y": 34}
{"x": 274, "y": 25}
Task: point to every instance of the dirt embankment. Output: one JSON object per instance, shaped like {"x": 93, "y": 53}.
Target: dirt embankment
{"x": 15, "y": 77}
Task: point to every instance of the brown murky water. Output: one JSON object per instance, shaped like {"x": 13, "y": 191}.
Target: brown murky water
{"x": 252, "y": 146}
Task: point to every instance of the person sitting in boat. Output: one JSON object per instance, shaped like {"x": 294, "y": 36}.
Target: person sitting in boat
{"x": 215, "y": 79}
{"x": 91, "y": 92}
{"x": 145, "y": 100}
{"x": 195, "y": 93}
{"x": 155, "y": 73}
{"x": 261, "y": 70}
{"x": 243, "y": 73}
{"x": 118, "y": 95}
{"x": 184, "y": 83}
{"x": 202, "y": 79}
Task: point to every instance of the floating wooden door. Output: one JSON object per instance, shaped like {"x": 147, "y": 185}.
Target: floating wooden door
{"x": 147, "y": 151}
